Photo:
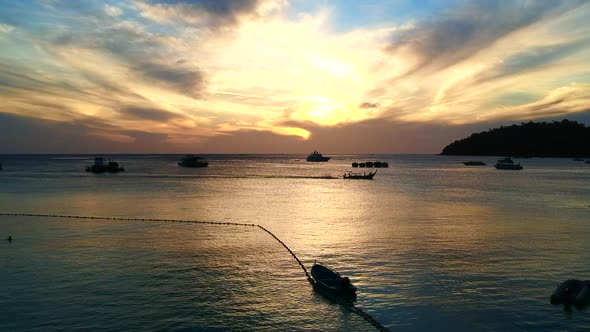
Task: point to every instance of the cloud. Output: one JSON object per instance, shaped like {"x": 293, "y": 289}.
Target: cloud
{"x": 368, "y": 105}
{"x": 150, "y": 114}
{"x": 253, "y": 141}
{"x": 88, "y": 135}
{"x": 112, "y": 10}
{"x": 560, "y": 102}
{"x": 145, "y": 138}
{"x": 186, "y": 81}
{"x": 458, "y": 34}
{"x": 535, "y": 58}
{"x": 149, "y": 55}
{"x": 208, "y": 13}
{"x": 5, "y": 28}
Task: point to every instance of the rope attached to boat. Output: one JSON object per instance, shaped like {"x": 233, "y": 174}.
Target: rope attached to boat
{"x": 349, "y": 306}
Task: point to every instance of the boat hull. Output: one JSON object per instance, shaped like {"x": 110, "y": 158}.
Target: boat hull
{"x": 328, "y": 281}
{"x": 318, "y": 159}
{"x": 513, "y": 167}
{"x": 193, "y": 165}
{"x": 357, "y": 176}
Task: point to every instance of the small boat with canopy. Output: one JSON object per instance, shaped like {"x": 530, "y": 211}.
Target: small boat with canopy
{"x": 328, "y": 281}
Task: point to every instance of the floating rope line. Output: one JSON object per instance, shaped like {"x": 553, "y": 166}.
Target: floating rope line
{"x": 349, "y": 306}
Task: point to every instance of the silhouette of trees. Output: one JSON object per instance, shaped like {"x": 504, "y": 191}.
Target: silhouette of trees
{"x": 532, "y": 139}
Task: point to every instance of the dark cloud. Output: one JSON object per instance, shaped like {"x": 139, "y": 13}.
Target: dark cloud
{"x": 216, "y": 13}
{"x": 146, "y": 113}
{"x": 457, "y": 35}
{"x": 145, "y": 138}
{"x": 368, "y": 105}
{"x": 14, "y": 78}
{"x": 31, "y": 135}
{"x": 186, "y": 81}
{"x": 254, "y": 141}
{"x": 22, "y": 134}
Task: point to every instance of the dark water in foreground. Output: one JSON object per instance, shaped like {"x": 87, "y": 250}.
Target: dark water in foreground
{"x": 431, "y": 244}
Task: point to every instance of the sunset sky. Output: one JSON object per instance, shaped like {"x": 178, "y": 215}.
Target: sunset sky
{"x": 278, "y": 76}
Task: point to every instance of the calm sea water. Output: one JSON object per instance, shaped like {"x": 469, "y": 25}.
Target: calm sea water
{"x": 431, "y": 244}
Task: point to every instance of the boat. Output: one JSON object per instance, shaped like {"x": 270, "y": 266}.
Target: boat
{"x": 326, "y": 280}
{"x": 359, "y": 176}
{"x": 317, "y": 157}
{"x": 578, "y": 159}
{"x": 100, "y": 166}
{"x": 507, "y": 163}
{"x": 474, "y": 163}
{"x": 193, "y": 161}
{"x": 370, "y": 164}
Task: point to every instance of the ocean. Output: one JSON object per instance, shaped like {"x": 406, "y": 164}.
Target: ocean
{"x": 430, "y": 243}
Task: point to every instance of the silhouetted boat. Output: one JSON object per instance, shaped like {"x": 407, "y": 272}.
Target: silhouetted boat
{"x": 331, "y": 282}
{"x": 192, "y": 161}
{"x": 100, "y": 166}
{"x": 376, "y": 164}
{"x": 317, "y": 157}
{"x": 507, "y": 163}
{"x": 474, "y": 163}
{"x": 578, "y": 159}
{"x": 359, "y": 176}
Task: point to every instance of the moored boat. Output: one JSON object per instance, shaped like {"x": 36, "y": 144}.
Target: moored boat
{"x": 474, "y": 163}
{"x": 376, "y": 164}
{"x": 317, "y": 157}
{"x": 507, "y": 163}
{"x": 331, "y": 282}
{"x": 359, "y": 176}
{"x": 192, "y": 161}
{"x": 100, "y": 166}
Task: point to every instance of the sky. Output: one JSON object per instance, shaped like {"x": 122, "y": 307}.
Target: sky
{"x": 280, "y": 76}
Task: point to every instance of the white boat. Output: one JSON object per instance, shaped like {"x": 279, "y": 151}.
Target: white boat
{"x": 317, "y": 157}
{"x": 507, "y": 163}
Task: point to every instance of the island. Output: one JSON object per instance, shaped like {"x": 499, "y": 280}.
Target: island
{"x": 532, "y": 139}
